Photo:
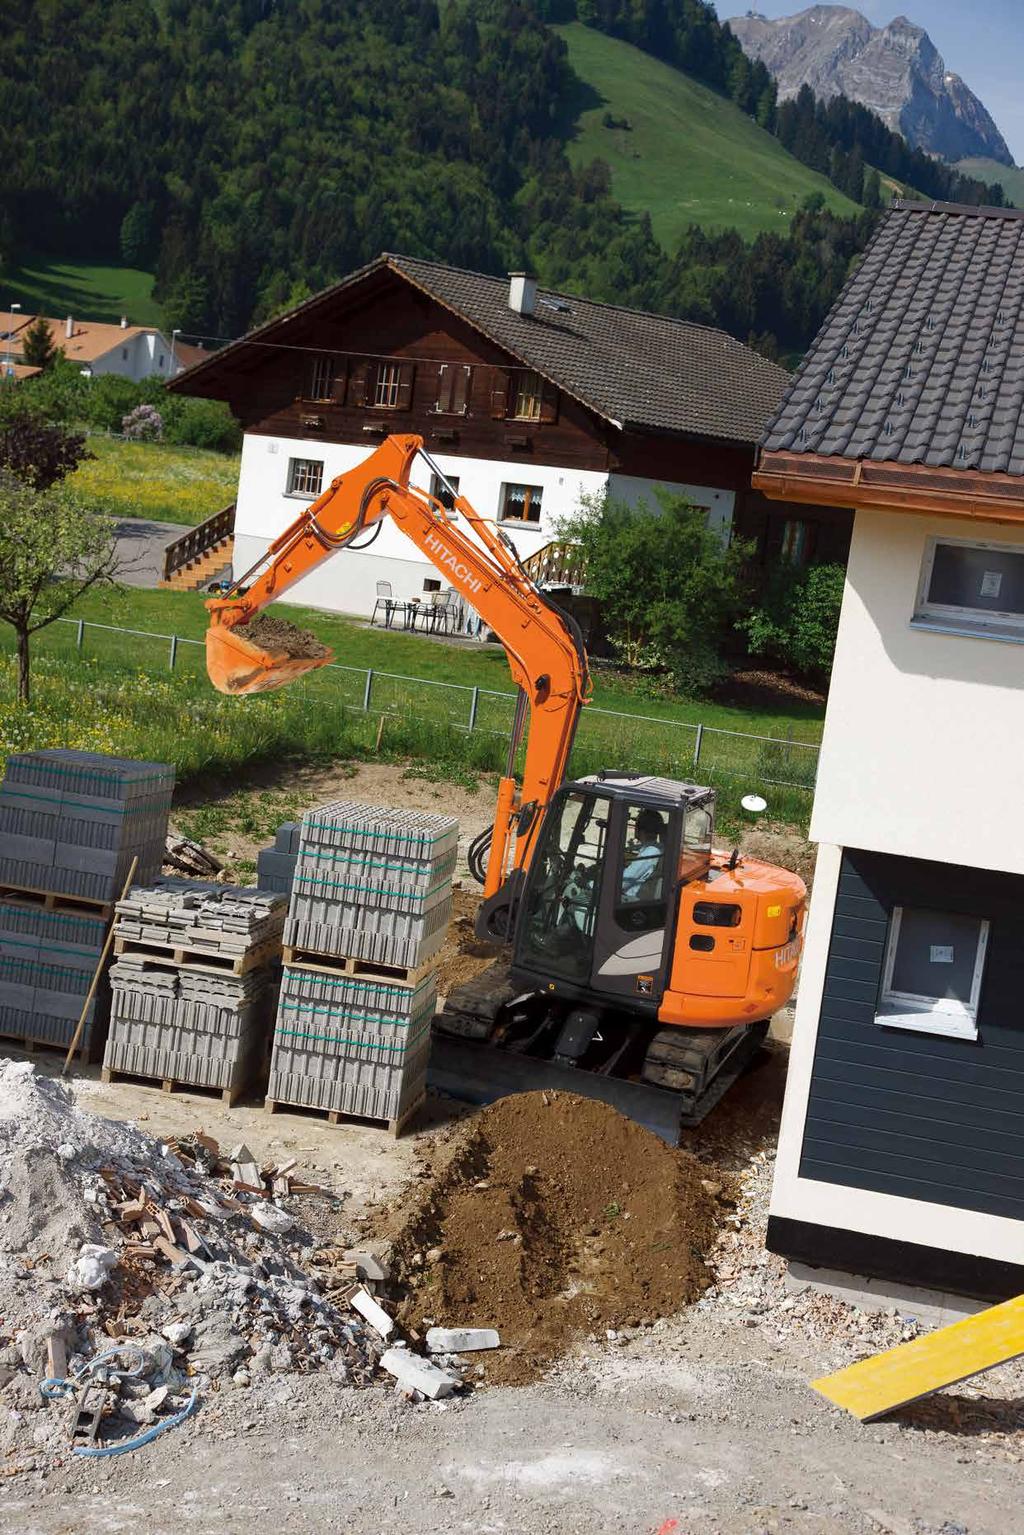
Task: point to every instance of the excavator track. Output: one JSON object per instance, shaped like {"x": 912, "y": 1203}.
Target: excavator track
{"x": 483, "y": 1049}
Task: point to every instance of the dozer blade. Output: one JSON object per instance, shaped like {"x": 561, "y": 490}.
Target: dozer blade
{"x": 237, "y": 665}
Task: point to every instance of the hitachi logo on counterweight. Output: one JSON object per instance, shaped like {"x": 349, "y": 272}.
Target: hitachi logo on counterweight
{"x": 444, "y": 556}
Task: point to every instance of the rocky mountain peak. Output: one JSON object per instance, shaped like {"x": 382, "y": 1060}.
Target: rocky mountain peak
{"x": 895, "y": 70}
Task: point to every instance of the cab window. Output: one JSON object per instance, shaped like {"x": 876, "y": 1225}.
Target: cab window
{"x": 640, "y": 905}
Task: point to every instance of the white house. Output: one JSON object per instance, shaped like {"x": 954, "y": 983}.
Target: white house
{"x": 130, "y": 351}
{"x": 527, "y": 399}
{"x": 901, "y": 1155}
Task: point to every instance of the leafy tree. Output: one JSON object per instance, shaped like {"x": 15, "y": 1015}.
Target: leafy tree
{"x": 53, "y": 547}
{"x": 32, "y": 449}
{"x": 138, "y": 230}
{"x": 798, "y": 619}
{"x": 58, "y": 395}
{"x": 38, "y": 348}
{"x": 670, "y": 589}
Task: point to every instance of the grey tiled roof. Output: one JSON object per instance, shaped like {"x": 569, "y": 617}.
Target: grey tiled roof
{"x": 921, "y": 360}
{"x": 634, "y": 368}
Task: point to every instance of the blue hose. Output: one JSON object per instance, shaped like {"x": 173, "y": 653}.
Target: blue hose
{"x": 55, "y": 1387}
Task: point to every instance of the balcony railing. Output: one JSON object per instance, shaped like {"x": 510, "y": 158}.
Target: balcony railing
{"x": 198, "y": 541}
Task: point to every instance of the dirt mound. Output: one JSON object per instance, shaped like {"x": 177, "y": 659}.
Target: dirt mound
{"x": 553, "y": 1216}
{"x": 274, "y": 634}
{"x": 463, "y": 955}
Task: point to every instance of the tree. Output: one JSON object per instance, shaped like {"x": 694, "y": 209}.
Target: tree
{"x": 670, "y": 589}
{"x": 53, "y": 547}
{"x": 798, "y": 618}
{"x": 138, "y": 228}
{"x": 38, "y": 348}
{"x": 34, "y": 451}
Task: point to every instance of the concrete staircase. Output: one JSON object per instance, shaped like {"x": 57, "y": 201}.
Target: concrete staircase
{"x": 201, "y": 555}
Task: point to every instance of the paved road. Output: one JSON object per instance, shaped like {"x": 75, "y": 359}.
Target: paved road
{"x": 140, "y": 549}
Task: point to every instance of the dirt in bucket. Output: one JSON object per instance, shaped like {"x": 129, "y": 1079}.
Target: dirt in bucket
{"x": 279, "y": 637}
{"x": 548, "y": 1216}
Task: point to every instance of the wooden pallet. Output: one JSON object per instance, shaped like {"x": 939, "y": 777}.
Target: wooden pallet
{"x": 228, "y": 1095}
{"x": 394, "y": 1127}
{"x": 52, "y": 900}
{"x": 29, "y": 1044}
{"x": 358, "y": 969}
{"x": 185, "y": 957}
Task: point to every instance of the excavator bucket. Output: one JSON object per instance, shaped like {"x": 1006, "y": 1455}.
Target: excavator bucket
{"x": 271, "y": 654}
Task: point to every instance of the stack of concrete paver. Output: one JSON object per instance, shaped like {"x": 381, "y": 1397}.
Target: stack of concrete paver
{"x": 193, "y": 985}
{"x": 47, "y": 962}
{"x": 370, "y": 905}
{"x": 71, "y": 822}
{"x": 275, "y": 866}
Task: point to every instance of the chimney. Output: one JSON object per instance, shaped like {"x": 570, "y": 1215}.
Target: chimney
{"x": 522, "y": 292}
{"x": 124, "y": 322}
{"x": 69, "y": 327}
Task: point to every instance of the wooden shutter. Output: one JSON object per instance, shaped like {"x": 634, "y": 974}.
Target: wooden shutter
{"x": 406, "y": 375}
{"x": 341, "y": 367}
{"x": 358, "y": 383}
{"x": 461, "y": 375}
{"x": 499, "y": 393}
{"x": 548, "y": 402}
{"x": 445, "y": 385}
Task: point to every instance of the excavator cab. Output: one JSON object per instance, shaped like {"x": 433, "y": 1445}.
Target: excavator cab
{"x": 598, "y": 909}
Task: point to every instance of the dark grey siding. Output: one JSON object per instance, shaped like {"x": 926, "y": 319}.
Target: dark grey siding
{"x": 914, "y": 1114}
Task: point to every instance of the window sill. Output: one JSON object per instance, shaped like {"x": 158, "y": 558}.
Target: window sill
{"x": 970, "y": 631}
{"x": 518, "y": 522}
{"x": 302, "y": 495}
{"x": 925, "y": 1021}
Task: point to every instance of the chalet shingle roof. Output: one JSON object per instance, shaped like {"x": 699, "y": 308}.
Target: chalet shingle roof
{"x": 921, "y": 360}
{"x": 634, "y": 369}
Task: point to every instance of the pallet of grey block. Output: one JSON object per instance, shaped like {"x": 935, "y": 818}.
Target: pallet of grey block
{"x": 372, "y": 885}
{"x": 71, "y": 823}
{"x": 200, "y": 925}
{"x": 47, "y": 960}
{"x": 275, "y": 866}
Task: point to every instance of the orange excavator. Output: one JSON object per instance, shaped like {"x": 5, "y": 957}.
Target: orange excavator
{"x": 643, "y": 966}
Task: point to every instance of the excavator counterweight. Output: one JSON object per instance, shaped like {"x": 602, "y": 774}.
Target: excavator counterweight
{"x": 642, "y": 967}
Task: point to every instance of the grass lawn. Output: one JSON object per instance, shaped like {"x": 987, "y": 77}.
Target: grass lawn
{"x": 88, "y": 292}
{"x": 690, "y": 156}
{"x": 120, "y": 694}
{"x": 152, "y": 479}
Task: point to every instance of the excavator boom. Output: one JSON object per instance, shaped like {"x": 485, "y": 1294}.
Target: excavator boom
{"x": 545, "y": 653}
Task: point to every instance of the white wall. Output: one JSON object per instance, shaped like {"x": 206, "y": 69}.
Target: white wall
{"x": 346, "y": 583}
{"x": 145, "y": 352}
{"x": 924, "y": 735}
{"x": 850, "y": 1209}
{"x": 719, "y": 504}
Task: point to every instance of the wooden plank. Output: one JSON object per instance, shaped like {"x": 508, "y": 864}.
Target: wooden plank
{"x": 186, "y": 957}
{"x": 395, "y": 1127}
{"x": 358, "y": 969}
{"x": 53, "y": 900}
{"x": 228, "y": 1095}
{"x": 873, "y": 1387}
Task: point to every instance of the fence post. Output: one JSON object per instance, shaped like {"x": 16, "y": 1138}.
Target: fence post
{"x": 367, "y": 691}
{"x": 80, "y": 636}
{"x": 174, "y": 653}
{"x": 473, "y": 703}
{"x": 697, "y": 744}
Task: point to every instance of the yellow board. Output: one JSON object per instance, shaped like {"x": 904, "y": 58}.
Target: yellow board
{"x": 912, "y": 1370}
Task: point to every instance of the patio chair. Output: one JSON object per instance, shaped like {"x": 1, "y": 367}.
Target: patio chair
{"x": 387, "y": 601}
{"x": 441, "y": 613}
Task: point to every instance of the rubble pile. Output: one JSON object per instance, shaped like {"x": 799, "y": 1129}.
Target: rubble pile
{"x": 109, "y": 1237}
{"x": 548, "y": 1217}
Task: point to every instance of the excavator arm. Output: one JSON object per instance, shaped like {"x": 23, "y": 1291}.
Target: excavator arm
{"x": 545, "y": 652}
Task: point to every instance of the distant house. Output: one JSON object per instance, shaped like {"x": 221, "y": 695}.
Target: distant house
{"x": 526, "y": 398}
{"x": 901, "y": 1156}
{"x": 130, "y": 351}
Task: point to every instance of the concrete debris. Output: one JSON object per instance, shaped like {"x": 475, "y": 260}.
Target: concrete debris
{"x": 416, "y": 1374}
{"x": 461, "y": 1340}
{"x": 91, "y": 1269}
{"x": 372, "y": 1313}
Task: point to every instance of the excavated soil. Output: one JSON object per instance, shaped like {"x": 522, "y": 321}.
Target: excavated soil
{"x": 551, "y": 1216}
{"x": 463, "y": 955}
{"x": 275, "y": 634}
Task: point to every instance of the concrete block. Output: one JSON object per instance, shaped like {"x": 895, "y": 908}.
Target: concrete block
{"x": 461, "y": 1340}
{"x": 417, "y": 1374}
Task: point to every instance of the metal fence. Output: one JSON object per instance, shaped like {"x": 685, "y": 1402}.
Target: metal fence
{"x": 677, "y": 748}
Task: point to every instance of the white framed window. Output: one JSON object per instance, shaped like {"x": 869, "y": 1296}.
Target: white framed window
{"x": 972, "y": 586}
{"x": 521, "y": 503}
{"x": 389, "y": 381}
{"x": 305, "y": 476}
{"x": 931, "y": 980}
{"x": 441, "y": 492}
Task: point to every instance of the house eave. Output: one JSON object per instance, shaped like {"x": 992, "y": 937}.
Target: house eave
{"x": 809, "y": 478}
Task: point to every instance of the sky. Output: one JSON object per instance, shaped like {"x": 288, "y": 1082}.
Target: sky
{"x": 982, "y": 42}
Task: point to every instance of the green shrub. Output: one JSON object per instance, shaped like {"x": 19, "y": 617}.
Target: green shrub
{"x": 797, "y": 621}
{"x": 201, "y": 424}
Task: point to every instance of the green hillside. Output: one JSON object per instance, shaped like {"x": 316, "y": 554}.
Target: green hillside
{"x": 62, "y": 287}
{"x": 1010, "y": 177}
{"x": 689, "y": 156}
